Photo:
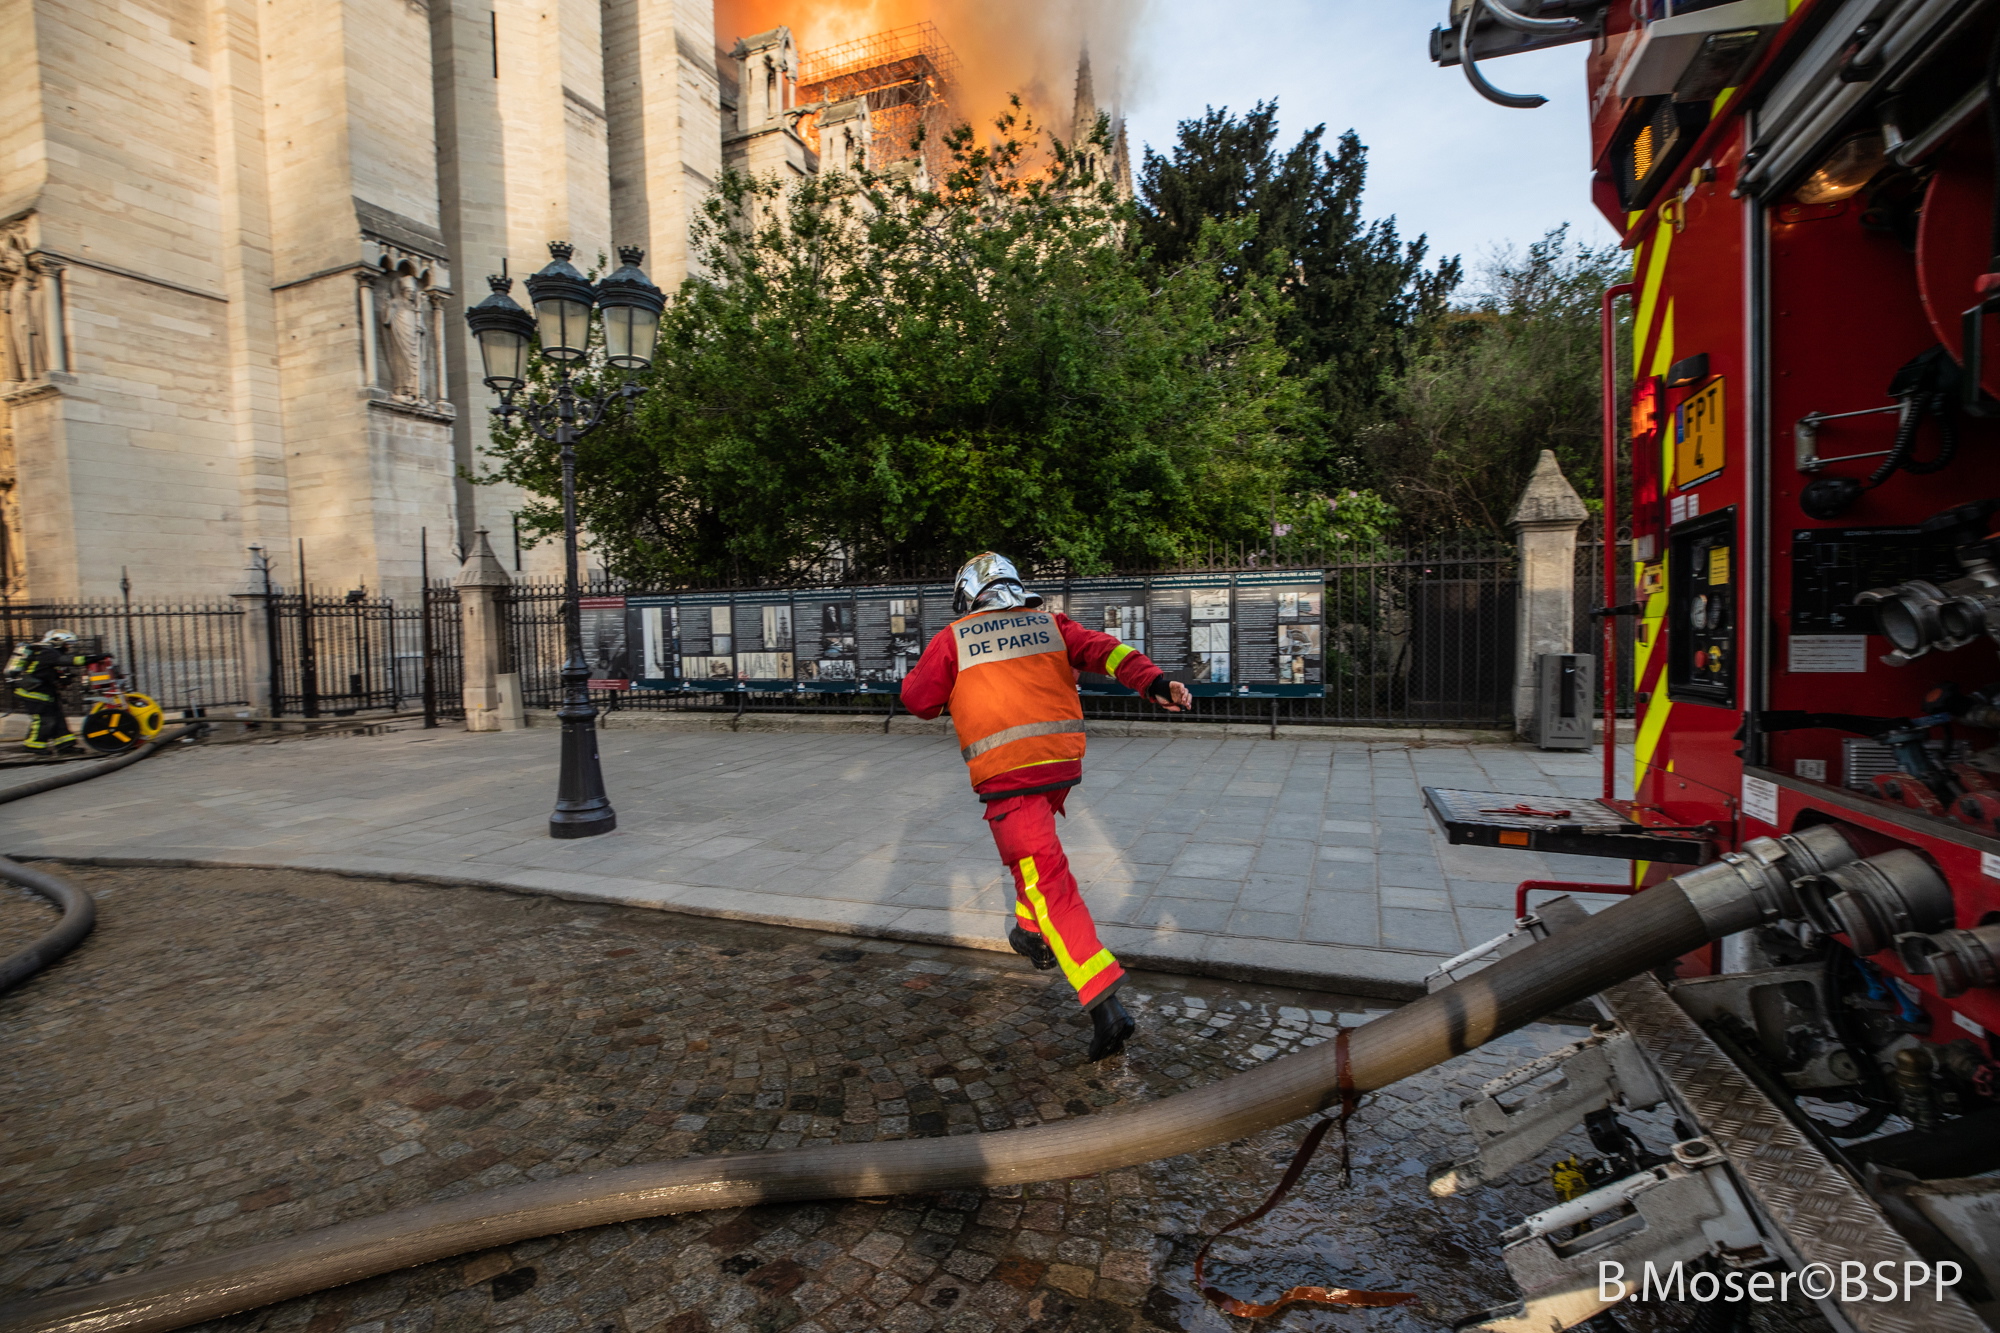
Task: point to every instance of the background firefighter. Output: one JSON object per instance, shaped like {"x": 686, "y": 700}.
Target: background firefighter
{"x": 38, "y": 674}
{"x": 1008, "y": 673}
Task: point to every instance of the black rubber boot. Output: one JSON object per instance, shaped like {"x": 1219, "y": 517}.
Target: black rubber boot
{"x": 1113, "y": 1028}
{"x": 1031, "y": 947}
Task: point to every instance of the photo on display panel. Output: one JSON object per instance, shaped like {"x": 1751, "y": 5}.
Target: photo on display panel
{"x": 827, "y": 668}
{"x": 708, "y": 668}
{"x": 1208, "y": 651}
{"x": 656, "y": 642}
{"x": 721, "y": 630}
{"x": 1298, "y": 654}
{"x": 1127, "y": 624}
{"x": 764, "y": 666}
{"x": 1208, "y": 604}
{"x": 778, "y": 628}
{"x": 604, "y": 640}
{"x": 836, "y": 629}
{"x": 906, "y": 634}
{"x": 1298, "y": 606}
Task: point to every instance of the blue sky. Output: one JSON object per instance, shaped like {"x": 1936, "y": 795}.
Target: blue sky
{"x": 1442, "y": 159}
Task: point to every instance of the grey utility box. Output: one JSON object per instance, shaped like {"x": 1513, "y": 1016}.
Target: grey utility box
{"x": 1563, "y": 701}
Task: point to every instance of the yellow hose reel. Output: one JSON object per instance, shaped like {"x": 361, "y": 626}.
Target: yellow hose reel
{"x": 109, "y": 728}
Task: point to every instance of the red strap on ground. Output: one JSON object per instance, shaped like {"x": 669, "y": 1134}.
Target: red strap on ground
{"x": 1230, "y": 1305}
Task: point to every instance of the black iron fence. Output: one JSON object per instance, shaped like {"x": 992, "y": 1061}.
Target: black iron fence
{"x": 441, "y": 641}
{"x": 1423, "y": 635}
{"x": 186, "y": 657}
{"x": 1589, "y": 633}
{"x": 1411, "y": 636}
{"x": 338, "y": 656}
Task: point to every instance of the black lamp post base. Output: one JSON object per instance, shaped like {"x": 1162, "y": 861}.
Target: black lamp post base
{"x": 583, "y": 809}
{"x": 583, "y": 823}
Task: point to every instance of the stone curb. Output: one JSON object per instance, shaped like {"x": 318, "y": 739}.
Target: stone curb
{"x": 1374, "y": 973}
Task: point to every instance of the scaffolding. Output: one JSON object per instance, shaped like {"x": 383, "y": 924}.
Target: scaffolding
{"x": 908, "y": 76}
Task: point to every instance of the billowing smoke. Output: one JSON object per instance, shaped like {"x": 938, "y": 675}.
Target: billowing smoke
{"x": 1028, "y": 47}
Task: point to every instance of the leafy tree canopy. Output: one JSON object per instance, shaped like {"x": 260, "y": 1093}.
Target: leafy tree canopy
{"x": 883, "y": 369}
{"x": 1511, "y": 372}
{"x": 1354, "y": 291}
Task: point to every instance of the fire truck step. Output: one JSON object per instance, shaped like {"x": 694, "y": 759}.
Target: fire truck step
{"x": 1574, "y": 825}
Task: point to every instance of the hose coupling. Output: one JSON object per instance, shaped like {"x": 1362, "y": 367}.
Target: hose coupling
{"x": 1876, "y": 900}
{"x": 1958, "y": 960}
{"x": 1761, "y": 882}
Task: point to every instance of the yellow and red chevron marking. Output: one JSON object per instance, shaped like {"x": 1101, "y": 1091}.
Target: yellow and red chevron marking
{"x": 1652, "y": 354}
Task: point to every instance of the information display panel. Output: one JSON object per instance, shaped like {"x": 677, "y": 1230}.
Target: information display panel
{"x": 892, "y": 625}
{"x": 1279, "y": 623}
{"x": 1252, "y": 631}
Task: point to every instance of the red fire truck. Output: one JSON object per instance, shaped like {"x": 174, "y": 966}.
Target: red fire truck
{"x": 1803, "y": 449}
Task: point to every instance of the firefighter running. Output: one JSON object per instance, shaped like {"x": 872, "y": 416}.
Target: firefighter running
{"x": 1008, "y": 673}
{"x": 38, "y": 673}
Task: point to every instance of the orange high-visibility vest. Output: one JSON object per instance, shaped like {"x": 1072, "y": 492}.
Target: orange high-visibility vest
{"x": 1014, "y": 703}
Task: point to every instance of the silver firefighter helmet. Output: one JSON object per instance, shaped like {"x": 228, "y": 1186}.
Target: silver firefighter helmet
{"x": 59, "y": 638}
{"x": 990, "y": 582}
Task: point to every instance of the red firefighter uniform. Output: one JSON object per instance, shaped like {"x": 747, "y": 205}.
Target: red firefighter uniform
{"x": 1009, "y": 678}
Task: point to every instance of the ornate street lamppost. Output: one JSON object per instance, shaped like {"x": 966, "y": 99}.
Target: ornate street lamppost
{"x": 563, "y": 299}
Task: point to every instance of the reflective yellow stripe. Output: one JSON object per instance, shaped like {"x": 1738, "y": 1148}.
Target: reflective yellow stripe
{"x": 1663, "y": 360}
{"x": 1022, "y": 732}
{"x": 1078, "y": 974}
{"x": 1654, "y": 264}
{"x": 1118, "y": 654}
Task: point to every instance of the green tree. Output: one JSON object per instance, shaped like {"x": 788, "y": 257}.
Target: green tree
{"x": 1354, "y": 290}
{"x": 883, "y": 371}
{"x": 1511, "y": 372}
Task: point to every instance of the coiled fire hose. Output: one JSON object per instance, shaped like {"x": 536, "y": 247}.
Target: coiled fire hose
{"x": 1641, "y": 932}
{"x": 79, "y": 910}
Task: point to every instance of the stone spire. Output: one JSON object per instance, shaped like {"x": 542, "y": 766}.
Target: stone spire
{"x": 1084, "y": 114}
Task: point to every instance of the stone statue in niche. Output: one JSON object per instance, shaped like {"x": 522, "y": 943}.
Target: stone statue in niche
{"x": 402, "y": 321}
{"x": 23, "y": 356}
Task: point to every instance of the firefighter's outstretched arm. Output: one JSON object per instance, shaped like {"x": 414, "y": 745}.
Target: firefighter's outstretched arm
{"x": 1104, "y": 655}
{"x": 927, "y": 689}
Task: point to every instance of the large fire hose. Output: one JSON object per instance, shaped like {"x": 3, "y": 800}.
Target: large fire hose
{"x": 1639, "y": 933}
{"x": 79, "y": 910}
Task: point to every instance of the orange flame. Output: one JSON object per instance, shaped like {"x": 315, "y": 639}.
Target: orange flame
{"x": 1029, "y": 47}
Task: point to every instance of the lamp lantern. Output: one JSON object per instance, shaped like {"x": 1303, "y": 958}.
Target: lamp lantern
{"x": 563, "y": 298}
{"x": 631, "y": 305}
{"x": 561, "y": 412}
{"x": 503, "y": 330}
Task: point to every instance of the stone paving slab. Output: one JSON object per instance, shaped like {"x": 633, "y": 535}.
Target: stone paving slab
{"x": 1301, "y": 862}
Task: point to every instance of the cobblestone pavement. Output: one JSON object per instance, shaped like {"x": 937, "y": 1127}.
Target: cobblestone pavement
{"x": 24, "y": 918}
{"x": 236, "y": 1056}
{"x": 1308, "y": 862}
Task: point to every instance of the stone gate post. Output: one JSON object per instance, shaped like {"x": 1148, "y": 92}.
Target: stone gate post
{"x": 1545, "y": 524}
{"x": 254, "y": 633}
{"x": 484, "y": 634}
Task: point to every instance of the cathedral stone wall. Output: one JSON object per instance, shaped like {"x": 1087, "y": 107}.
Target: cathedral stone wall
{"x": 236, "y": 241}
